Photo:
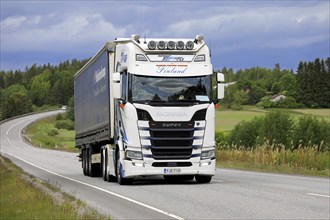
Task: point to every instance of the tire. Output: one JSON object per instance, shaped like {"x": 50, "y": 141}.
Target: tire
{"x": 104, "y": 165}
{"x": 84, "y": 162}
{"x": 120, "y": 179}
{"x": 203, "y": 179}
{"x": 94, "y": 169}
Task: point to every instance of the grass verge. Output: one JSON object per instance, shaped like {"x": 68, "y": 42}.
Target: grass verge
{"x": 43, "y": 133}
{"x": 303, "y": 161}
{"x": 25, "y": 197}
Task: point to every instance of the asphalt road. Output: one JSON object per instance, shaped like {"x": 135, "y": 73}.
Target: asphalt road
{"x": 232, "y": 194}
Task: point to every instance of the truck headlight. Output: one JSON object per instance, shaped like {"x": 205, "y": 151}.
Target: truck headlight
{"x": 208, "y": 154}
{"x": 133, "y": 154}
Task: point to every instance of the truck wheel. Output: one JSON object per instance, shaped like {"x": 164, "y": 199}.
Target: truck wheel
{"x": 104, "y": 163}
{"x": 203, "y": 179}
{"x": 94, "y": 169}
{"x": 84, "y": 161}
{"x": 120, "y": 179}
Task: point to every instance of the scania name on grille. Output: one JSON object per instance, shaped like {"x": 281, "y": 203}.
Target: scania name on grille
{"x": 171, "y": 125}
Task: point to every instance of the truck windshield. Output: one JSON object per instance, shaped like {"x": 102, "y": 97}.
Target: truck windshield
{"x": 170, "y": 90}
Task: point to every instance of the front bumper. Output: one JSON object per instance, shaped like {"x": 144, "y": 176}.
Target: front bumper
{"x": 135, "y": 168}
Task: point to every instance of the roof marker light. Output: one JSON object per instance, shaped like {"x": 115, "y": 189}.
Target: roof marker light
{"x": 171, "y": 45}
{"x": 190, "y": 45}
{"x": 180, "y": 45}
{"x": 152, "y": 45}
{"x": 161, "y": 45}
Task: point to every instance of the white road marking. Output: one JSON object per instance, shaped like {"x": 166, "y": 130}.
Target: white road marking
{"x": 219, "y": 181}
{"x": 319, "y": 195}
{"x": 11, "y": 127}
{"x": 103, "y": 190}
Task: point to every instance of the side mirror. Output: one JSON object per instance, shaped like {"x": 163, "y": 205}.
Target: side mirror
{"x": 116, "y": 85}
{"x": 220, "y": 86}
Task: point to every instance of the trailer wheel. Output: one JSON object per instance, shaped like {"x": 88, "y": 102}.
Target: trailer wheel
{"x": 203, "y": 179}
{"x": 120, "y": 179}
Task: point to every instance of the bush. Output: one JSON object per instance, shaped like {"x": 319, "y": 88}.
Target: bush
{"x": 288, "y": 102}
{"x": 52, "y": 132}
{"x": 310, "y": 132}
{"x": 266, "y": 103}
{"x": 245, "y": 133}
{"x": 276, "y": 128}
{"x": 278, "y": 131}
{"x": 65, "y": 124}
{"x": 59, "y": 117}
{"x": 220, "y": 139}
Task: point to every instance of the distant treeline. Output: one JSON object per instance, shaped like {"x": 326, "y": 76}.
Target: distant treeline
{"x": 308, "y": 87}
{"x": 36, "y": 86}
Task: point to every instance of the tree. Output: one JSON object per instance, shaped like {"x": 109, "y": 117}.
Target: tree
{"x": 15, "y": 101}
{"x": 313, "y": 80}
{"x": 288, "y": 85}
{"x": 255, "y": 94}
{"x": 40, "y": 88}
{"x": 234, "y": 97}
{"x": 70, "y": 111}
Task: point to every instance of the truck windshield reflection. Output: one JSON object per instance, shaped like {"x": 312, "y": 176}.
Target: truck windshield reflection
{"x": 158, "y": 90}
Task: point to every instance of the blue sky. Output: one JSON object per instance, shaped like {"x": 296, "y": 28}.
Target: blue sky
{"x": 242, "y": 34}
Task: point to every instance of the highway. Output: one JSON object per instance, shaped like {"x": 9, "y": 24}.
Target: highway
{"x": 232, "y": 194}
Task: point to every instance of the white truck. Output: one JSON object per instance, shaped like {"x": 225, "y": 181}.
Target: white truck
{"x": 144, "y": 106}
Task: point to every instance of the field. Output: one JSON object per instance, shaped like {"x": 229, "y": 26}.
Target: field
{"x": 225, "y": 120}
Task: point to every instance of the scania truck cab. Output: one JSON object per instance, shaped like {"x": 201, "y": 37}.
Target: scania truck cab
{"x": 156, "y": 114}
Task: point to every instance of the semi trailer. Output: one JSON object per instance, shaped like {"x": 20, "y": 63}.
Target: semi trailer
{"x": 144, "y": 107}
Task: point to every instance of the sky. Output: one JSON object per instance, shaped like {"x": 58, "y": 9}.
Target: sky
{"x": 241, "y": 34}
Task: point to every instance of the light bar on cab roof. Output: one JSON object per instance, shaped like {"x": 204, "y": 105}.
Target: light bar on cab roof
{"x": 171, "y": 45}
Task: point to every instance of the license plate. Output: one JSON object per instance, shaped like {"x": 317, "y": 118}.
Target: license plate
{"x": 172, "y": 170}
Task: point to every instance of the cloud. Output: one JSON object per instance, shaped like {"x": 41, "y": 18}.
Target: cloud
{"x": 69, "y": 32}
{"x": 261, "y": 27}
{"x": 79, "y": 28}
{"x": 13, "y": 22}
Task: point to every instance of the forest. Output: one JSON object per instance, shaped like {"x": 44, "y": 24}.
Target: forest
{"x": 308, "y": 87}
{"x": 52, "y": 85}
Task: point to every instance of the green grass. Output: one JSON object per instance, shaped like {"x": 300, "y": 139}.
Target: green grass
{"x": 306, "y": 161}
{"x": 43, "y": 133}
{"x": 324, "y": 113}
{"x": 225, "y": 120}
{"x": 24, "y": 197}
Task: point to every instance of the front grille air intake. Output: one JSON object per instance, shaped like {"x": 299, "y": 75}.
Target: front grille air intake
{"x": 171, "y": 140}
